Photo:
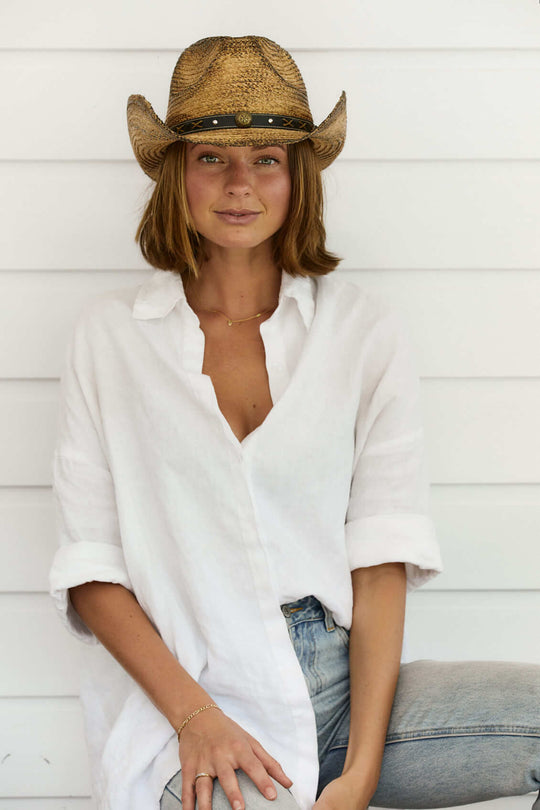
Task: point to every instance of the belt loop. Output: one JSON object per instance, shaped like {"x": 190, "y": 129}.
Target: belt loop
{"x": 328, "y": 618}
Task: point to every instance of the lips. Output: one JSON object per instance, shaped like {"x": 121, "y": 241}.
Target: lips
{"x": 237, "y": 212}
{"x": 237, "y": 216}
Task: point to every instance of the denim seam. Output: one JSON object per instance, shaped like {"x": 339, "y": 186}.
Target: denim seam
{"x": 176, "y": 796}
{"x": 463, "y": 734}
{"x": 439, "y": 734}
{"x": 465, "y": 731}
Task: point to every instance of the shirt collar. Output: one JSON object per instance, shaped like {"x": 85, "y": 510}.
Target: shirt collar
{"x": 158, "y": 295}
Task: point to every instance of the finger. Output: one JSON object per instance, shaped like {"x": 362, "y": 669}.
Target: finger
{"x": 272, "y": 765}
{"x": 256, "y": 771}
{"x": 204, "y": 787}
{"x": 229, "y": 782}
{"x": 188, "y": 790}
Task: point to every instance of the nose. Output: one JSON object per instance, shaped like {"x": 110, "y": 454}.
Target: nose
{"x": 238, "y": 178}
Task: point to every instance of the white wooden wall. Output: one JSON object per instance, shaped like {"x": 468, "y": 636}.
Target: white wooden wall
{"x": 434, "y": 201}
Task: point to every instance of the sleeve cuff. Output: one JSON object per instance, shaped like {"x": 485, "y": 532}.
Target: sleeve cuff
{"x": 407, "y": 538}
{"x": 82, "y": 562}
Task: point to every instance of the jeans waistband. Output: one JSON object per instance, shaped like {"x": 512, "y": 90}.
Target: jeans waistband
{"x": 307, "y": 609}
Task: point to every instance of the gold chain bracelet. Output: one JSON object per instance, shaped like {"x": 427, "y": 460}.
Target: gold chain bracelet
{"x": 190, "y": 716}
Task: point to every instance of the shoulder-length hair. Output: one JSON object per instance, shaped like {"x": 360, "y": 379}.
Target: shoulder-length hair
{"x": 168, "y": 239}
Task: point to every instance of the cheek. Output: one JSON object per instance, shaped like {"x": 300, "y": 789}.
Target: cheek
{"x": 195, "y": 190}
{"x": 192, "y": 197}
{"x": 281, "y": 194}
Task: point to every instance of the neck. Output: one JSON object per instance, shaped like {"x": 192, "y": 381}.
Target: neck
{"x": 239, "y": 283}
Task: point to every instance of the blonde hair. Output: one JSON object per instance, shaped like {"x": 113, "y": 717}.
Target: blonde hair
{"x": 168, "y": 239}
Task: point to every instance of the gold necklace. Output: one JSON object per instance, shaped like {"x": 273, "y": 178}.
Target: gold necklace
{"x": 230, "y": 321}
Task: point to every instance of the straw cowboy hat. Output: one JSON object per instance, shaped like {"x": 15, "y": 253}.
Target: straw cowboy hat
{"x": 233, "y": 91}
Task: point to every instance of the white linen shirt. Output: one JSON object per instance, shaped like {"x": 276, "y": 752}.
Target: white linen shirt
{"x": 154, "y": 491}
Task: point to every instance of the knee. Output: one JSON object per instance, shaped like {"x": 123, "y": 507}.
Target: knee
{"x": 253, "y": 798}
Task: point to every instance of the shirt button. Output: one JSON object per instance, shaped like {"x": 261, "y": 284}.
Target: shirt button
{"x": 286, "y": 610}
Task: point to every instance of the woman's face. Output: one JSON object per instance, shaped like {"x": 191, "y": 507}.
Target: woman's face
{"x": 238, "y": 196}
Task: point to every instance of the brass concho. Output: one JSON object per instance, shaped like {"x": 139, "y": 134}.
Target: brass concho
{"x": 243, "y": 119}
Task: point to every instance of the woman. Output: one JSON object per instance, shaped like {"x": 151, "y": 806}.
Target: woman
{"x": 242, "y": 497}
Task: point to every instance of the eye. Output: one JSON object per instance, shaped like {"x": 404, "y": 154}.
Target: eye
{"x": 208, "y": 158}
{"x": 268, "y": 160}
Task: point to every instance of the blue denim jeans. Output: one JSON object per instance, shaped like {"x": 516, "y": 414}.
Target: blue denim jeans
{"x": 459, "y": 732}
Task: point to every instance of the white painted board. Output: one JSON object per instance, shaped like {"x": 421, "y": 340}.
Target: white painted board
{"x": 454, "y": 318}
{"x": 394, "y": 215}
{"x": 343, "y": 23}
{"x": 395, "y": 107}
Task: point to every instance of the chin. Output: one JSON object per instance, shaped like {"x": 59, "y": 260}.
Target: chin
{"x": 245, "y": 241}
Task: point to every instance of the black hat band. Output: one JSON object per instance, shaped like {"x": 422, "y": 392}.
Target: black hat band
{"x": 242, "y": 120}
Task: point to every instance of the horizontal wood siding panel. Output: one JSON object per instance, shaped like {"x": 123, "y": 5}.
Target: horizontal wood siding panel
{"x": 434, "y": 215}
{"x": 45, "y": 659}
{"x": 29, "y": 541}
{"x": 474, "y": 626}
{"x": 29, "y": 414}
{"x": 342, "y": 24}
{"x": 395, "y": 106}
{"x": 488, "y": 536}
{"x": 39, "y": 311}
{"x": 454, "y": 318}
{"x": 45, "y": 751}
{"x": 477, "y": 431}
{"x": 446, "y": 626}
{"x": 483, "y": 431}
{"x": 393, "y": 215}
{"x": 62, "y": 803}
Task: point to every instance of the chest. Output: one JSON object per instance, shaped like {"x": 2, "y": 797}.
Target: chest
{"x": 234, "y": 359}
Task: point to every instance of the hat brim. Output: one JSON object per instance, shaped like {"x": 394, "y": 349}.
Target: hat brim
{"x": 150, "y": 137}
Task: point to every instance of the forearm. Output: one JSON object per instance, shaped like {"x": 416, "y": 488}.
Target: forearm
{"x": 376, "y": 639}
{"x": 118, "y": 621}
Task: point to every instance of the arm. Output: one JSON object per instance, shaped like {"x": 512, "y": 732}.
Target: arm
{"x": 376, "y": 638}
{"x": 118, "y": 621}
{"x": 391, "y": 546}
{"x": 375, "y": 643}
{"x": 211, "y": 741}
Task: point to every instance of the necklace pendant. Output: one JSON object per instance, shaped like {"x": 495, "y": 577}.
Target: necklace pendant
{"x": 229, "y": 323}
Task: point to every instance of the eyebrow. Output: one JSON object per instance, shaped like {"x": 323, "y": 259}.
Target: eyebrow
{"x": 270, "y": 145}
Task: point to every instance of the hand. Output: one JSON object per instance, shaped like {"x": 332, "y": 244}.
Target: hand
{"x": 213, "y": 743}
{"x": 341, "y": 794}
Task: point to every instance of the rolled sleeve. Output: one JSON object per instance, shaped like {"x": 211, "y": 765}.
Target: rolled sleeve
{"x": 388, "y": 516}
{"x": 395, "y": 538}
{"x": 90, "y": 544}
{"x": 84, "y": 562}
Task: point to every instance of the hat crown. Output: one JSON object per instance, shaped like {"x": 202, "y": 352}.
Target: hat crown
{"x": 226, "y": 75}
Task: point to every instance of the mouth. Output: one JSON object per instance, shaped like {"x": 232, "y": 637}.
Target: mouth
{"x": 238, "y": 215}
{"x": 237, "y": 212}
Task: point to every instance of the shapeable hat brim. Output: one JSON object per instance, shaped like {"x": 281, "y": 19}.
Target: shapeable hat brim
{"x": 150, "y": 137}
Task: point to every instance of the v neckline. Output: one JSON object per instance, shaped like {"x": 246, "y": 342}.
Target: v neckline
{"x": 206, "y": 380}
{"x": 194, "y": 341}
{"x": 241, "y": 443}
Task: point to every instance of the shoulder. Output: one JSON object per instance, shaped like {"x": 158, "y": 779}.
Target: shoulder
{"x": 352, "y": 305}
{"x": 105, "y": 316}
{"x": 107, "y": 309}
